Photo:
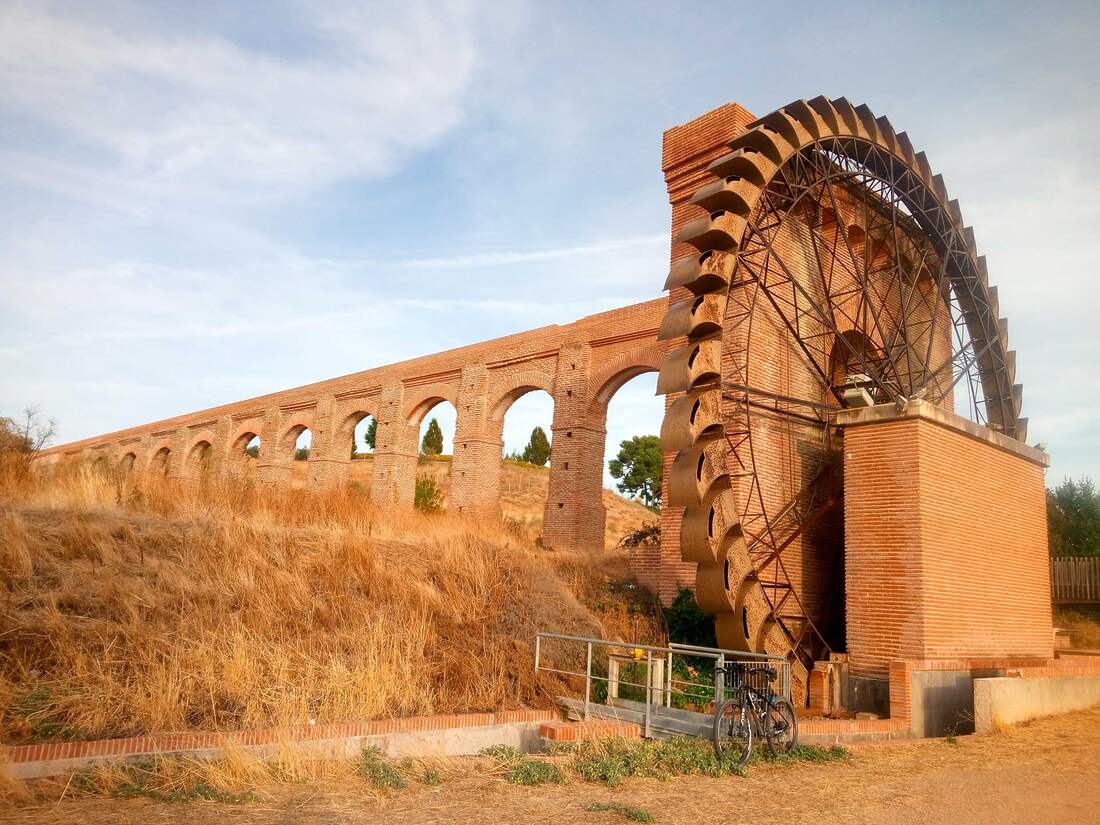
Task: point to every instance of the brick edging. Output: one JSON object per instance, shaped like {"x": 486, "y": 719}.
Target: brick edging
{"x": 176, "y": 742}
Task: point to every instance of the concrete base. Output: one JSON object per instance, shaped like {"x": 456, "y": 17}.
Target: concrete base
{"x": 942, "y": 702}
{"x": 447, "y": 742}
{"x": 1005, "y": 701}
{"x": 866, "y": 695}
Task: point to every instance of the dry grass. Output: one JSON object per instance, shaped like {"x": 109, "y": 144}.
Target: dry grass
{"x": 1083, "y": 624}
{"x": 135, "y": 607}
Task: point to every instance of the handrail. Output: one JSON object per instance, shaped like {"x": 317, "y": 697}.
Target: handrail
{"x": 728, "y": 653}
{"x": 664, "y": 656}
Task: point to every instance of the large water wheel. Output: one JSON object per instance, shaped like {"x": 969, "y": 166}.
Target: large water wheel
{"x": 832, "y": 270}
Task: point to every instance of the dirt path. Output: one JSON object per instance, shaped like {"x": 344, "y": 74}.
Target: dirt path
{"x": 1045, "y": 772}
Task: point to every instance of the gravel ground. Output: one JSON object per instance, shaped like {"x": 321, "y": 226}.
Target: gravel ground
{"x": 1044, "y": 772}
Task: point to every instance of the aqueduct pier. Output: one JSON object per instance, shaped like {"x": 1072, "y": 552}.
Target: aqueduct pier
{"x": 580, "y": 365}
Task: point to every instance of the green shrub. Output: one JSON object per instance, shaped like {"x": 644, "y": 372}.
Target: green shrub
{"x": 688, "y": 624}
{"x": 522, "y": 770}
{"x": 626, "y": 811}
{"x": 428, "y": 497}
{"x": 380, "y": 772}
{"x": 534, "y": 772}
{"x": 610, "y": 761}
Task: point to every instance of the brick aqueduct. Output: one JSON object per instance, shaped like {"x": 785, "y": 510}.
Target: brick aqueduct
{"x": 581, "y": 365}
{"x": 827, "y": 312}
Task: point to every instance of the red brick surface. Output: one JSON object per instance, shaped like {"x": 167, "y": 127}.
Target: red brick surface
{"x": 171, "y": 743}
{"x": 581, "y": 365}
{"x": 946, "y": 547}
{"x": 578, "y": 731}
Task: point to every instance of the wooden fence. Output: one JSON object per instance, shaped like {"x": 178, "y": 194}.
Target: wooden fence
{"x": 1075, "y": 579}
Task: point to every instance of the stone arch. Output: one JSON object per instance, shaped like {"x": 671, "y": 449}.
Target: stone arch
{"x": 127, "y": 462}
{"x": 515, "y": 387}
{"x": 422, "y": 399}
{"x": 242, "y": 436}
{"x": 291, "y": 429}
{"x": 160, "y": 455}
{"x": 621, "y": 369}
{"x": 348, "y": 422}
{"x": 199, "y": 454}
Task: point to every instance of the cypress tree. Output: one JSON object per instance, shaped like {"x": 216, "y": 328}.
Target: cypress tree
{"x": 433, "y": 439}
{"x": 537, "y": 450}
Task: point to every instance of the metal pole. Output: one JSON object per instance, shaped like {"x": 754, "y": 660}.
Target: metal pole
{"x": 668, "y": 681}
{"x": 538, "y": 650}
{"x": 588, "y": 682}
{"x": 648, "y": 689}
{"x": 719, "y": 682}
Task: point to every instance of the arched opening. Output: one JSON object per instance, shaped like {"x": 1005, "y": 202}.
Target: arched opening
{"x": 303, "y": 444}
{"x": 358, "y": 435}
{"x": 853, "y": 360}
{"x": 243, "y": 454}
{"x": 161, "y": 461}
{"x": 525, "y": 417}
{"x": 624, "y": 408}
{"x": 532, "y": 409}
{"x": 100, "y": 466}
{"x": 294, "y": 449}
{"x": 632, "y": 443}
{"x": 364, "y": 435}
{"x": 126, "y": 464}
{"x": 434, "y": 420}
{"x": 199, "y": 461}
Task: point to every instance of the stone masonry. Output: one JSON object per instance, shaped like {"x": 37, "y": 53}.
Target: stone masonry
{"x": 581, "y": 365}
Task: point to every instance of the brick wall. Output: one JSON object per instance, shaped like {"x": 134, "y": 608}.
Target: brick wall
{"x": 946, "y": 541}
{"x": 686, "y": 152}
{"x": 580, "y": 365}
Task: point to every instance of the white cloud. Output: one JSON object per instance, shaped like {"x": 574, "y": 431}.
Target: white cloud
{"x": 201, "y": 113}
{"x": 487, "y": 259}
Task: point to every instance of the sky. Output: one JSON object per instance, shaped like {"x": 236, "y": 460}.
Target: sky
{"x": 204, "y": 202}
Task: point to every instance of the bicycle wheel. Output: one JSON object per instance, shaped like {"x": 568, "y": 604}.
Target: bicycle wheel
{"x": 780, "y": 727}
{"x": 733, "y": 724}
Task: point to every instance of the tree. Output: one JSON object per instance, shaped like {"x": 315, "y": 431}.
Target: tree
{"x": 1073, "y": 518}
{"x": 537, "y": 451}
{"x": 27, "y": 435}
{"x": 638, "y": 466}
{"x": 428, "y": 497}
{"x": 433, "y": 439}
{"x": 301, "y": 454}
{"x": 368, "y": 438}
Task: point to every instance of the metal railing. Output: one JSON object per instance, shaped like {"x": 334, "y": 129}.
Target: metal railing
{"x": 707, "y": 681}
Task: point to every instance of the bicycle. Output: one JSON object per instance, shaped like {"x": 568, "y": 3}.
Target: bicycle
{"x": 749, "y": 713}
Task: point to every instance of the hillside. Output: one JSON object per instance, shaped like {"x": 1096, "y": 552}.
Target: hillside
{"x": 523, "y": 491}
{"x": 134, "y": 607}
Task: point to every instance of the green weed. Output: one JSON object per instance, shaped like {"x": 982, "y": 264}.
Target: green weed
{"x": 379, "y": 772}
{"x": 626, "y": 811}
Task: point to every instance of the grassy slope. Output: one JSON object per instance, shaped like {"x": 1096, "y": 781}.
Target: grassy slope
{"x": 523, "y": 490}
{"x": 129, "y": 609}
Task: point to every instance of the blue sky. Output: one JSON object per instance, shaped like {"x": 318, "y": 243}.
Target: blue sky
{"x": 202, "y": 202}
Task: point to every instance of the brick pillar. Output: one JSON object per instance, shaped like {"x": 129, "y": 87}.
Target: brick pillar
{"x": 945, "y": 540}
{"x": 272, "y": 469}
{"x": 177, "y": 460}
{"x": 219, "y": 460}
{"x": 328, "y": 459}
{"x": 475, "y": 468}
{"x": 395, "y": 451}
{"x": 687, "y": 150}
{"x": 575, "y": 513}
